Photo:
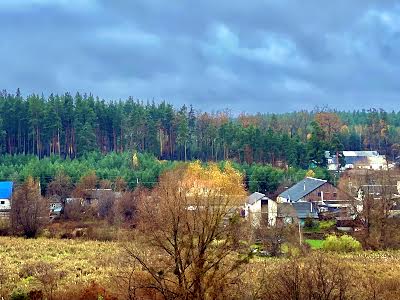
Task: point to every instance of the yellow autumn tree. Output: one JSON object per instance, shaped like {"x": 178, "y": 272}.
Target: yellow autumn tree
{"x": 191, "y": 220}
{"x": 310, "y": 173}
{"x": 135, "y": 160}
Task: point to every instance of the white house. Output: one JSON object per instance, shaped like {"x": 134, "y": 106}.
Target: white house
{"x": 259, "y": 207}
{"x": 358, "y": 160}
{"x": 6, "y": 188}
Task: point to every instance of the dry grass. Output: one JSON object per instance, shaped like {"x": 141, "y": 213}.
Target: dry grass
{"x": 77, "y": 263}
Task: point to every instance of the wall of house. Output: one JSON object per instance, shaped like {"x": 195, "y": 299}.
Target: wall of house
{"x": 272, "y": 212}
{"x": 326, "y": 192}
{"x": 5, "y": 204}
{"x": 262, "y": 209}
{"x": 253, "y": 212}
{"x": 281, "y": 200}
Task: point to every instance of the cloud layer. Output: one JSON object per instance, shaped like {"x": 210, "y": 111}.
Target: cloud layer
{"x": 266, "y": 56}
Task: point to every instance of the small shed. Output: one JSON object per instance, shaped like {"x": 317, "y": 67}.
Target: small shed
{"x": 259, "y": 208}
{"x": 6, "y": 189}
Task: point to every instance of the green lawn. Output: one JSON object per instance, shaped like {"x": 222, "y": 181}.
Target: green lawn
{"x": 315, "y": 244}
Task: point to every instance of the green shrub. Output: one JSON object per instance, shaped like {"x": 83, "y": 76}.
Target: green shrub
{"x": 325, "y": 225}
{"x": 19, "y": 294}
{"x": 344, "y": 243}
{"x": 309, "y": 223}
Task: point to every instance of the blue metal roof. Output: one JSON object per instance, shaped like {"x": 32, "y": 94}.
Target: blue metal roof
{"x": 302, "y": 188}
{"x": 6, "y": 188}
{"x": 305, "y": 210}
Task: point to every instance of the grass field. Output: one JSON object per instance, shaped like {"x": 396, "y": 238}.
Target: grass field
{"x": 77, "y": 263}
{"x": 315, "y": 244}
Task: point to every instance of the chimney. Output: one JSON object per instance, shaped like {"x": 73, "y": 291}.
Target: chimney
{"x": 304, "y": 185}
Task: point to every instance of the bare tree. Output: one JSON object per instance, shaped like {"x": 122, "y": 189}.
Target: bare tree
{"x": 105, "y": 184}
{"x": 377, "y": 192}
{"x": 126, "y": 206}
{"x": 272, "y": 238}
{"x": 106, "y": 204}
{"x": 120, "y": 185}
{"x": 29, "y": 210}
{"x": 61, "y": 186}
{"x": 85, "y": 185}
{"x": 190, "y": 221}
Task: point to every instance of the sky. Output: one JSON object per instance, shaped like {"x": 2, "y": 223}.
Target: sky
{"x": 245, "y": 56}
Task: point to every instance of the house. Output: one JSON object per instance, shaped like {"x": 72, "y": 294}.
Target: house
{"x": 259, "y": 208}
{"x": 6, "y": 189}
{"x": 395, "y": 210}
{"x": 91, "y": 197}
{"x": 55, "y": 206}
{"x": 323, "y": 196}
{"x": 309, "y": 190}
{"x": 389, "y": 193}
{"x": 357, "y": 160}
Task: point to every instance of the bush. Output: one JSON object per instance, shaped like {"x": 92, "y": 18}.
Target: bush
{"x": 309, "y": 223}
{"x": 4, "y": 227}
{"x": 326, "y": 225}
{"x": 345, "y": 243}
{"x": 19, "y": 294}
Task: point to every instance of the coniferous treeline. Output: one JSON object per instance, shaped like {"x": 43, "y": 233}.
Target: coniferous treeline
{"x": 70, "y": 126}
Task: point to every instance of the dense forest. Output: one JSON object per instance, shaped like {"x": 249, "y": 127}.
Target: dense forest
{"x": 133, "y": 169}
{"x": 70, "y": 126}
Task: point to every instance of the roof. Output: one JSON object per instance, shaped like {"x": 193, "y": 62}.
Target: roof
{"x": 358, "y": 157}
{"x": 360, "y": 153}
{"x": 354, "y": 154}
{"x": 300, "y": 210}
{"x": 304, "y": 210}
{"x": 6, "y": 188}
{"x": 253, "y": 198}
{"x": 286, "y": 210}
{"x": 100, "y": 193}
{"x": 302, "y": 188}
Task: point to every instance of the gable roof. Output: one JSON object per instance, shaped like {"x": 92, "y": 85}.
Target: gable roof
{"x": 253, "y": 198}
{"x": 6, "y": 189}
{"x": 354, "y": 154}
{"x": 286, "y": 210}
{"x": 358, "y": 157}
{"x": 302, "y": 188}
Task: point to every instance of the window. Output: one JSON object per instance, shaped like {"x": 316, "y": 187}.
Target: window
{"x": 2, "y": 202}
{"x": 334, "y": 194}
{"x": 319, "y": 194}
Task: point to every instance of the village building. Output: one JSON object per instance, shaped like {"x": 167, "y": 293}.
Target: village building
{"x": 259, "y": 208}
{"x": 320, "y": 196}
{"x": 55, "y": 206}
{"x": 6, "y": 189}
{"x": 371, "y": 160}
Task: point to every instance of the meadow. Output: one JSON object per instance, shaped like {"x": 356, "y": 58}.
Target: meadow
{"x": 43, "y": 264}
{"x": 77, "y": 269}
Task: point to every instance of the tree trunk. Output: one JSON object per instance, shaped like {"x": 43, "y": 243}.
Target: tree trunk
{"x": 185, "y": 151}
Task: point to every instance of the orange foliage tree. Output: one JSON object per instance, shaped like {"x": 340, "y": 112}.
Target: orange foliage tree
{"x": 191, "y": 220}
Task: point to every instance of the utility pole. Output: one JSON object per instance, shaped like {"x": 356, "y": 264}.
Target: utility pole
{"x": 300, "y": 237}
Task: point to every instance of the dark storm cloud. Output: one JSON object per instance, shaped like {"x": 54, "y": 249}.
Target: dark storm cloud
{"x": 244, "y": 55}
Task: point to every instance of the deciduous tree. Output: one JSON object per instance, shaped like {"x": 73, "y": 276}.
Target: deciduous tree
{"x": 29, "y": 210}
{"x": 191, "y": 221}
